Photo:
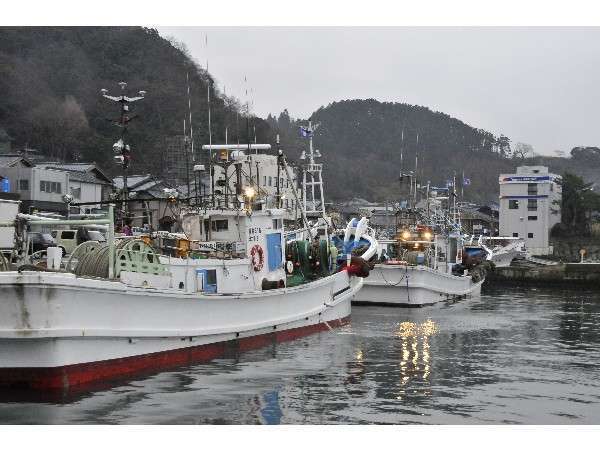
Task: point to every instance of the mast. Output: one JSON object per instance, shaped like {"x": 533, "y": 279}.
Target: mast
{"x": 187, "y": 162}
{"x": 401, "y": 151}
{"x": 416, "y": 169}
{"x": 312, "y": 191}
{"x": 187, "y": 77}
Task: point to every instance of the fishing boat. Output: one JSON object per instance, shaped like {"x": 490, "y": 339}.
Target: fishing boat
{"x": 234, "y": 280}
{"x": 425, "y": 262}
{"x": 500, "y": 250}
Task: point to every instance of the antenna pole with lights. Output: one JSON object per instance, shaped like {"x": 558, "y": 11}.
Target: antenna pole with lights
{"x": 121, "y": 148}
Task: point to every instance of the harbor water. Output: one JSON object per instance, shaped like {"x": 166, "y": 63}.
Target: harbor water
{"x": 513, "y": 356}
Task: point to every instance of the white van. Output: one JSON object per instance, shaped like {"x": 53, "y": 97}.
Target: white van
{"x": 68, "y": 239}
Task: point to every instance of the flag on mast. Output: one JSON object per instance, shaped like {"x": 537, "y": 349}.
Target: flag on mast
{"x": 305, "y": 132}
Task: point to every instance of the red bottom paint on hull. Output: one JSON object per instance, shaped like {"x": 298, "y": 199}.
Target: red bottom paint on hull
{"x": 79, "y": 375}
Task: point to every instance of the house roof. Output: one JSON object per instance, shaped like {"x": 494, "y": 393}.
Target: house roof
{"x": 84, "y": 172}
{"x": 144, "y": 184}
{"x": 11, "y": 160}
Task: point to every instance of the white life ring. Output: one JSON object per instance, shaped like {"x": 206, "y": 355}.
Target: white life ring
{"x": 257, "y": 258}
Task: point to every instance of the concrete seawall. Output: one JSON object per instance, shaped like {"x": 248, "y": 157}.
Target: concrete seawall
{"x": 580, "y": 274}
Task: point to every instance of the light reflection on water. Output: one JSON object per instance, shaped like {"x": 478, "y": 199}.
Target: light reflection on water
{"x": 512, "y": 356}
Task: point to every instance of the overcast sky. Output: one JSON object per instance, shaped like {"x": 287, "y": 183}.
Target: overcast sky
{"x": 535, "y": 85}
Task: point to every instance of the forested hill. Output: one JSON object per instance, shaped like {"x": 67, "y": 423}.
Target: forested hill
{"x": 50, "y": 81}
{"x": 362, "y": 141}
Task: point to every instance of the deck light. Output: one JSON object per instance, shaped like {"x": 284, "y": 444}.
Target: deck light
{"x": 249, "y": 192}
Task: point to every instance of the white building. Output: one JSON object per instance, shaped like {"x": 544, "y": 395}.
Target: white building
{"x": 42, "y": 186}
{"x": 529, "y": 206}
{"x": 86, "y": 183}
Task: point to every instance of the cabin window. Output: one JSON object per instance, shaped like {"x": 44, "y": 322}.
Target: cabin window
{"x": 23, "y": 185}
{"x": 530, "y": 235}
{"x": 513, "y": 204}
{"x": 211, "y": 277}
{"x": 532, "y": 204}
{"x": 220, "y": 225}
{"x": 515, "y": 234}
{"x": 531, "y": 217}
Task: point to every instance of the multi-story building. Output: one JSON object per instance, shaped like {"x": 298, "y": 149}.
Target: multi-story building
{"x": 86, "y": 183}
{"x": 42, "y": 186}
{"x": 529, "y": 206}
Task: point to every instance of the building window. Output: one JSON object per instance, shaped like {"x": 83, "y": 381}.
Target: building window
{"x": 277, "y": 224}
{"x": 513, "y": 204}
{"x": 23, "y": 185}
{"x": 220, "y": 225}
{"x": 530, "y": 235}
{"x": 264, "y": 180}
{"x": 532, "y": 189}
{"x": 531, "y": 217}
{"x": 532, "y": 204}
{"x": 51, "y": 187}
{"x": 281, "y": 182}
{"x": 515, "y": 234}
{"x": 551, "y": 187}
{"x": 270, "y": 181}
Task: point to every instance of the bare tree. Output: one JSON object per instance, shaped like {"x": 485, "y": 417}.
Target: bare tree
{"x": 57, "y": 127}
{"x": 522, "y": 150}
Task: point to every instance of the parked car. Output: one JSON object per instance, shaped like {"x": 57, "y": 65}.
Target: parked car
{"x": 95, "y": 235}
{"x": 41, "y": 241}
{"x": 66, "y": 239}
{"x": 70, "y": 239}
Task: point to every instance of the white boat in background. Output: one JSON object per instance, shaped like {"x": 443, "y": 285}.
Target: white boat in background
{"x": 425, "y": 262}
{"x": 234, "y": 281}
{"x": 500, "y": 250}
{"x": 422, "y": 276}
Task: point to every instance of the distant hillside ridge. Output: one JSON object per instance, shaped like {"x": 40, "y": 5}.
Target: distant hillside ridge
{"x": 362, "y": 142}
{"x": 50, "y": 81}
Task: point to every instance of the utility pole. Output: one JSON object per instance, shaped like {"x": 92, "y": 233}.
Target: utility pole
{"x": 121, "y": 149}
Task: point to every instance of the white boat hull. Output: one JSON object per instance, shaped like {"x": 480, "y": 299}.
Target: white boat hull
{"x": 401, "y": 285}
{"x": 58, "y": 330}
{"x": 505, "y": 259}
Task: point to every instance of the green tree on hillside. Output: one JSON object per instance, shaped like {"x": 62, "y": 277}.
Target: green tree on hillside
{"x": 577, "y": 204}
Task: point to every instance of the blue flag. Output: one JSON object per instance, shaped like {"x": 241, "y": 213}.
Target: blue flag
{"x": 305, "y": 132}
